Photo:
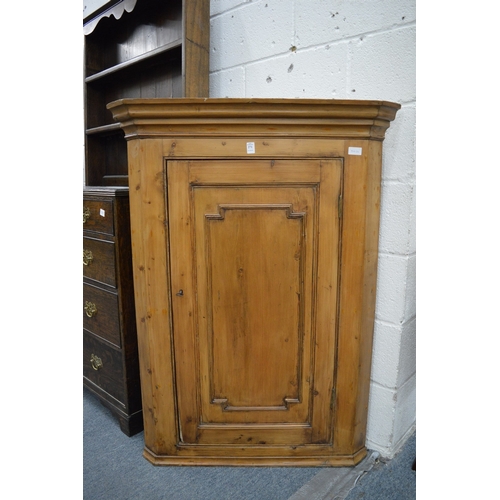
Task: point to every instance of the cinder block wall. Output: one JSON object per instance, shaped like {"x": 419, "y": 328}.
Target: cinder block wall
{"x": 345, "y": 49}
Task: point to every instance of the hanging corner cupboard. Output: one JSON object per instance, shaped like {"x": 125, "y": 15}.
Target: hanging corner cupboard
{"x": 255, "y": 239}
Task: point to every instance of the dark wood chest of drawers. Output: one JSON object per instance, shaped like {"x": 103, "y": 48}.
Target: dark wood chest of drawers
{"x": 110, "y": 358}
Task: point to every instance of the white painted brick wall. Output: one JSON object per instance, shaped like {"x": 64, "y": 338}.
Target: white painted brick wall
{"x": 345, "y": 49}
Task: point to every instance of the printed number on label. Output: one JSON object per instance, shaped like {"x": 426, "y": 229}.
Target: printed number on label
{"x": 355, "y": 151}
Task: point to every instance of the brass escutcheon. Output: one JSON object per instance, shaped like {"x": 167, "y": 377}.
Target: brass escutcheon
{"x": 95, "y": 362}
{"x": 90, "y": 309}
{"x": 88, "y": 257}
{"x": 86, "y": 214}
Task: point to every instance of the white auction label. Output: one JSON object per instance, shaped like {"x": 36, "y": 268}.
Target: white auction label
{"x": 102, "y": 213}
{"x": 355, "y": 151}
{"x": 250, "y": 148}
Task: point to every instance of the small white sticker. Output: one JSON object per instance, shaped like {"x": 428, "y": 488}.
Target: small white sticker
{"x": 102, "y": 213}
{"x": 250, "y": 148}
{"x": 355, "y": 151}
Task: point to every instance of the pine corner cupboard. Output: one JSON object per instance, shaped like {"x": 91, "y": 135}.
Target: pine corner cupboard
{"x": 254, "y": 238}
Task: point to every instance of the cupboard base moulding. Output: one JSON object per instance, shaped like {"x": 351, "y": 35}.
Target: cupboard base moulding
{"x": 277, "y": 460}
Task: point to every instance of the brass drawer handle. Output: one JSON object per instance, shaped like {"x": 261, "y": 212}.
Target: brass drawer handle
{"x": 90, "y": 309}
{"x": 95, "y": 362}
{"x": 86, "y": 214}
{"x": 88, "y": 257}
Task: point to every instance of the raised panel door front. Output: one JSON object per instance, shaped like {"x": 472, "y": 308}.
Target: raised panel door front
{"x": 254, "y": 272}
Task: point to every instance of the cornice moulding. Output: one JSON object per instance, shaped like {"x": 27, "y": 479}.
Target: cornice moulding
{"x": 257, "y": 117}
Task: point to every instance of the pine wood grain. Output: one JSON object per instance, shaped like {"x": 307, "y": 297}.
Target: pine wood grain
{"x": 256, "y": 276}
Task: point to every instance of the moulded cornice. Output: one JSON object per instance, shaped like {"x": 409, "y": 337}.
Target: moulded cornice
{"x": 257, "y": 117}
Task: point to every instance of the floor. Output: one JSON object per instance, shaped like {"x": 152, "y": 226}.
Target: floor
{"x": 114, "y": 469}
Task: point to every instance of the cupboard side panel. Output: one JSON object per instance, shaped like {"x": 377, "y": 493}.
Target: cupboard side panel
{"x": 150, "y": 270}
{"x": 371, "y": 238}
{"x": 351, "y": 371}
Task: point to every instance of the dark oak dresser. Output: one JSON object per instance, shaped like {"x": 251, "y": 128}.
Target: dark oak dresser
{"x": 133, "y": 48}
{"x": 110, "y": 358}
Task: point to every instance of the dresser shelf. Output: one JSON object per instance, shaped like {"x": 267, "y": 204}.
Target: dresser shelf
{"x": 158, "y": 50}
{"x": 139, "y": 62}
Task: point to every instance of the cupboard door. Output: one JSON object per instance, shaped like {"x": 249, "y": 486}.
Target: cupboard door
{"x": 254, "y": 258}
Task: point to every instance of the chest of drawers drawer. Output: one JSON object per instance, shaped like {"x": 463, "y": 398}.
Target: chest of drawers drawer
{"x": 99, "y": 260}
{"x": 101, "y": 314}
{"x": 98, "y": 216}
{"x": 103, "y": 366}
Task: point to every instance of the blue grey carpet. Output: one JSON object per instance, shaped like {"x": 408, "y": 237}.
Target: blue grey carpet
{"x": 114, "y": 469}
